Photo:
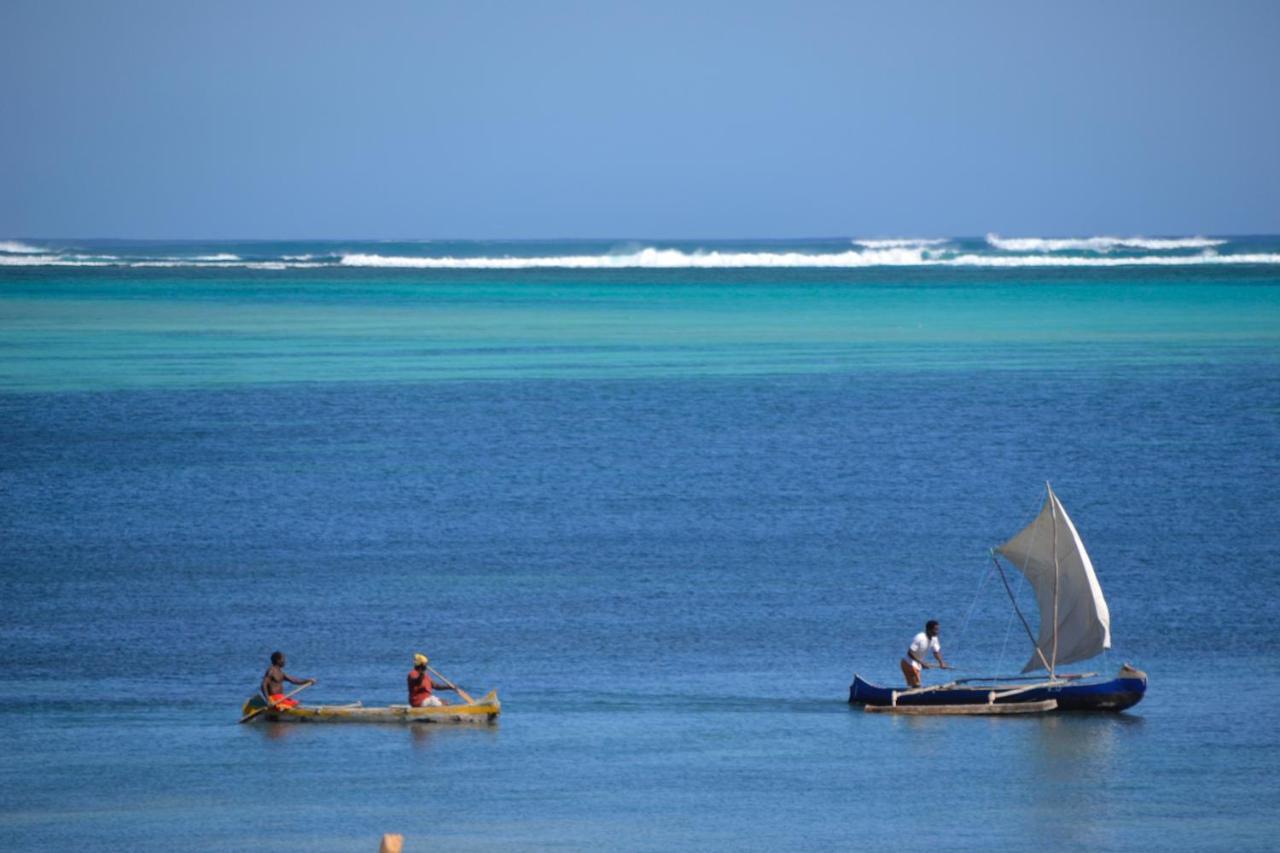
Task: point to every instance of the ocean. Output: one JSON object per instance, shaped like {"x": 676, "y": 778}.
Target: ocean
{"x": 667, "y": 497}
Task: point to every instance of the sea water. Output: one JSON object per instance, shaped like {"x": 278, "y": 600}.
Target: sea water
{"x": 667, "y": 498}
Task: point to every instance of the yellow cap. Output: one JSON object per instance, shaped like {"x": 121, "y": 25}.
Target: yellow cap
{"x": 419, "y": 660}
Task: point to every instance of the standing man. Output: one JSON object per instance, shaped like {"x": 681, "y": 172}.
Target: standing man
{"x": 421, "y": 685}
{"x": 921, "y": 644}
{"x": 273, "y": 680}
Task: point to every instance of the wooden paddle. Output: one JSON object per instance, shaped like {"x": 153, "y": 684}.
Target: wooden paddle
{"x": 270, "y": 705}
{"x": 456, "y": 689}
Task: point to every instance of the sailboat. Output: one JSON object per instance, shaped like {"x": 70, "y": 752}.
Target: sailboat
{"x": 1075, "y": 625}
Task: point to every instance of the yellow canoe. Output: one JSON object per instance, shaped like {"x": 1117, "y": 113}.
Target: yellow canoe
{"x": 484, "y": 710}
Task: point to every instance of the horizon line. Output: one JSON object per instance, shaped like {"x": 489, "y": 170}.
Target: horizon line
{"x": 567, "y": 239}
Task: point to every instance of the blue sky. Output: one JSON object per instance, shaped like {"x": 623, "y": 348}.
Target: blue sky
{"x": 594, "y": 119}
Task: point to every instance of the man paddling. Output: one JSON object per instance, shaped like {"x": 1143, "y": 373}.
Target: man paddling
{"x": 421, "y": 685}
{"x": 273, "y": 683}
{"x": 921, "y": 644}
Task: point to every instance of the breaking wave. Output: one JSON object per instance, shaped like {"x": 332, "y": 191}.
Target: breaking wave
{"x": 900, "y": 242}
{"x": 1099, "y": 244}
{"x": 676, "y": 259}
{"x": 901, "y": 252}
{"x": 171, "y": 263}
{"x": 1206, "y": 259}
{"x": 18, "y": 248}
{"x": 649, "y": 258}
{"x": 49, "y": 261}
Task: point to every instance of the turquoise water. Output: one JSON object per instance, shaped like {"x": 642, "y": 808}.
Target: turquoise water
{"x": 666, "y": 510}
{"x": 89, "y": 330}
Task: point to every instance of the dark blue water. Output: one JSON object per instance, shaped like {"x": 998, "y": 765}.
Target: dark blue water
{"x": 671, "y": 576}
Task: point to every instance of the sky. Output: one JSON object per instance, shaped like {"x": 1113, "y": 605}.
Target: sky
{"x": 472, "y": 119}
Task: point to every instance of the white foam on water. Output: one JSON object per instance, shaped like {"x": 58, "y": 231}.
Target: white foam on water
{"x": 207, "y": 264}
{"x": 49, "y": 261}
{"x": 1099, "y": 244}
{"x": 650, "y": 258}
{"x": 655, "y": 258}
{"x": 900, "y": 242}
{"x": 17, "y": 248}
{"x": 172, "y": 264}
{"x": 280, "y": 265}
{"x": 1206, "y": 259}
{"x": 111, "y": 261}
{"x": 676, "y": 259}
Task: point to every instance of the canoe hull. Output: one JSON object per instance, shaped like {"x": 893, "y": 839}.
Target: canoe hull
{"x": 1119, "y": 693}
{"x": 484, "y": 711}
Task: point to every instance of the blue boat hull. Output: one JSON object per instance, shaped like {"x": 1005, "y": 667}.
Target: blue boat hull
{"x": 1115, "y": 695}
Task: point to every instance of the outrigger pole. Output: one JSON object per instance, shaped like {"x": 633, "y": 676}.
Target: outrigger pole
{"x": 1018, "y": 610}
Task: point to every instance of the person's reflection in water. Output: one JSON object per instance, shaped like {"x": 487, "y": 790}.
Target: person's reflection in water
{"x": 426, "y": 735}
{"x": 421, "y": 735}
{"x": 278, "y": 731}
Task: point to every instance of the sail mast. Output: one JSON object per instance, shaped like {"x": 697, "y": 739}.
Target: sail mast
{"x": 1057, "y": 575}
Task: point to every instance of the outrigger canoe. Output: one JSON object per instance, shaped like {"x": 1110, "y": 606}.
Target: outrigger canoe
{"x": 484, "y": 710}
{"x": 1075, "y": 625}
{"x": 1068, "y": 692}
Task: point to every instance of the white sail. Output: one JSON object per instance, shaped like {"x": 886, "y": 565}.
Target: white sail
{"x": 1074, "y": 621}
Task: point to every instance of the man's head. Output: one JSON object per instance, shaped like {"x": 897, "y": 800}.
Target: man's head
{"x": 419, "y": 661}
{"x": 931, "y": 628}
{"x": 277, "y": 658}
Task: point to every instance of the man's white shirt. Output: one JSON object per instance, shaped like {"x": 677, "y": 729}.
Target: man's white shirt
{"x": 921, "y": 645}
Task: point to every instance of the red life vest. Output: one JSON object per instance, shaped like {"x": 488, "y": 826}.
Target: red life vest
{"x": 419, "y": 687}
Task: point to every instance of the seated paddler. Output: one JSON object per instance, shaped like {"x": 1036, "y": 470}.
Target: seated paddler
{"x": 273, "y": 680}
{"x": 922, "y": 644}
{"x": 421, "y": 686}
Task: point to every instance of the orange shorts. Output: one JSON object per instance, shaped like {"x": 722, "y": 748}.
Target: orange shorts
{"x": 278, "y": 701}
{"x": 911, "y": 673}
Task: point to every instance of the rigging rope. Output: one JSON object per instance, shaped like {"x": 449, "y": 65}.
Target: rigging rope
{"x": 1008, "y": 626}
{"x": 965, "y": 627}
{"x": 1018, "y": 610}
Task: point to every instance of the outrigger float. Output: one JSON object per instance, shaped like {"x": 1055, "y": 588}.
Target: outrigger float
{"x": 1075, "y": 625}
{"x": 483, "y": 710}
